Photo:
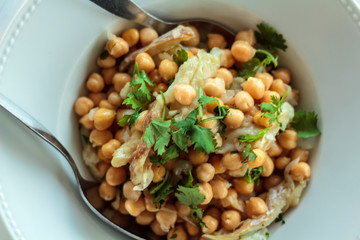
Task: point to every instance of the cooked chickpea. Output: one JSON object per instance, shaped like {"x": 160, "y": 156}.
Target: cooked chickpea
{"x": 254, "y": 207}
{"x": 194, "y": 50}
{"x": 212, "y": 124}
{"x": 102, "y": 157}
{"x": 184, "y": 94}
{"x": 234, "y": 118}
{"x": 122, "y": 208}
{"x": 216, "y": 162}
{"x": 161, "y": 87}
{"x": 135, "y": 208}
{"x": 98, "y": 138}
{"x": 191, "y": 229}
{"x": 83, "y": 105}
{"x": 216, "y": 40}
{"x": 167, "y": 218}
{"x": 155, "y": 227}
{"x": 189, "y": 53}
{"x": 288, "y": 139}
{"x": 300, "y": 153}
{"x": 106, "y": 105}
{"x": 119, "y": 80}
{"x": 86, "y": 122}
{"x": 106, "y": 62}
{"x": 243, "y": 187}
{"x": 193, "y": 41}
{"x": 95, "y": 83}
{"x": 219, "y": 188}
{"x": 140, "y": 121}
{"x": 283, "y": 74}
{"x": 229, "y": 59}
{"x": 108, "y": 74}
{"x": 260, "y": 158}
{"x": 94, "y": 198}
{"x": 242, "y": 51}
{"x": 177, "y": 233}
{"x": 230, "y": 219}
{"x": 97, "y": 97}
{"x": 268, "y": 167}
{"x": 206, "y": 189}
{"x": 211, "y": 224}
{"x": 266, "y": 78}
{"x": 226, "y": 75}
{"x": 214, "y": 212}
{"x": 214, "y": 87}
{"x": 278, "y": 86}
{"x": 103, "y": 118}
{"x": 301, "y": 171}
{"x": 272, "y": 181}
{"x": 130, "y": 193}
{"x": 106, "y": 191}
{"x": 147, "y": 35}
{"x": 115, "y": 99}
{"x": 145, "y": 62}
{"x": 169, "y": 165}
{"x": 149, "y": 204}
{"x": 205, "y": 172}
{"x": 168, "y": 69}
{"x": 247, "y": 36}
{"x": 255, "y": 87}
{"x": 131, "y": 36}
{"x": 211, "y": 106}
{"x": 115, "y": 176}
{"x": 159, "y": 173}
{"x": 244, "y": 101}
{"x": 145, "y": 218}
{"x": 117, "y": 47}
{"x": 182, "y": 209}
{"x": 228, "y": 201}
{"x": 261, "y": 121}
{"x": 267, "y": 96}
{"x": 231, "y": 161}
{"x": 282, "y": 162}
{"x": 155, "y": 76}
{"x": 275, "y": 150}
{"x": 102, "y": 168}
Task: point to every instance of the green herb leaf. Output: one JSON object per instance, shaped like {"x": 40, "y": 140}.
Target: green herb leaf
{"x": 130, "y": 119}
{"x": 180, "y": 138}
{"x": 170, "y": 153}
{"x": 248, "y": 138}
{"x": 162, "y": 189}
{"x": 280, "y": 219}
{"x": 269, "y": 38}
{"x": 86, "y": 139}
{"x": 173, "y": 236}
{"x": 305, "y": 124}
{"x": 104, "y": 55}
{"x": 248, "y": 154}
{"x": 190, "y": 196}
{"x": 273, "y": 110}
{"x": 188, "y": 122}
{"x": 203, "y": 139}
{"x": 253, "y": 175}
{"x": 188, "y": 181}
{"x": 158, "y": 133}
{"x": 180, "y": 57}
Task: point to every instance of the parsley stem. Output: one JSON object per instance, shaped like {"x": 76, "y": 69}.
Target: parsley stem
{"x": 211, "y": 118}
{"x": 200, "y": 106}
{"x": 164, "y": 107}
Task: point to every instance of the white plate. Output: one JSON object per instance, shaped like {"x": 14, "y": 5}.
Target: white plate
{"x": 50, "y": 48}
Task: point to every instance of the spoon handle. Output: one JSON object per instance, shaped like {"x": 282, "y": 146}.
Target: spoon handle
{"x": 131, "y": 11}
{"x": 40, "y": 130}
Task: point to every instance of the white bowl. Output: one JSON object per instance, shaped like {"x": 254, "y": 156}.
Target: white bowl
{"x": 50, "y": 47}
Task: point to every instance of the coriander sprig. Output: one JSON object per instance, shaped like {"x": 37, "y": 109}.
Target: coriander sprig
{"x": 273, "y": 110}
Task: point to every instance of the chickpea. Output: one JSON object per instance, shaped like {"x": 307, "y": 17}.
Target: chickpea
{"x": 229, "y": 59}
{"x": 283, "y": 74}
{"x": 268, "y": 166}
{"x": 244, "y": 101}
{"x": 161, "y": 87}
{"x": 206, "y": 189}
{"x": 102, "y": 157}
{"x": 115, "y": 176}
{"x": 83, "y": 105}
{"x": 212, "y": 124}
{"x": 211, "y": 224}
{"x": 300, "y": 153}
{"x": 261, "y": 121}
{"x": 247, "y": 36}
{"x": 216, "y": 162}
{"x": 115, "y": 99}
{"x": 267, "y": 96}
{"x": 231, "y": 161}
{"x": 149, "y": 204}
{"x": 155, "y": 227}
{"x": 145, "y": 62}
{"x": 155, "y": 76}
{"x": 214, "y": 212}
{"x": 184, "y": 94}
{"x": 106, "y": 62}
{"x": 95, "y": 83}
{"x": 106, "y": 191}
{"x": 242, "y": 51}
{"x": 102, "y": 168}
{"x": 282, "y": 162}
{"x": 226, "y": 75}
{"x": 169, "y": 165}
{"x": 177, "y": 233}
{"x": 86, "y": 122}
{"x": 288, "y": 139}
{"x": 275, "y": 150}
{"x": 117, "y": 47}
{"x": 266, "y": 78}
{"x": 108, "y": 74}
{"x": 253, "y": 111}
{"x": 147, "y": 35}
{"x": 193, "y": 41}
{"x": 254, "y": 207}
{"x": 119, "y": 80}
{"x": 205, "y": 172}
{"x": 214, "y": 87}
{"x": 135, "y": 208}
{"x": 189, "y": 53}
{"x": 260, "y": 158}
{"x": 219, "y": 188}
{"x": 243, "y": 187}
{"x": 301, "y": 171}
{"x": 166, "y": 218}
{"x": 130, "y": 193}
{"x": 211, "y": 106}
{"x": 98, "y": 138}
{"x": 272, "y": 181}
{"x": 229, "y": 199}
{"x": 230, "y": 219}
{"x": 140, "y": 121}
{"x": 122, "y": 208}
{"x": 278, "y": 86}
{"x": 234, "y": 118}
{"x": 295, "y": 94}
{"x": 145, "y": 218}
{"x": 97, "y": 97}
{"x": 216, "y": 40}
{"x": 194, "y": 51}
{"x": 182, "y": 210}
{"x": 106, "y": 105}
{"x": 197, "y": 158}
{"x": 255, "y": 87}
{"x": 159, "y": 173}
{"x": 131, "y": 36}
{"x": 94, "y": 198}
{"x": 103, "y": 118}
{"x": 168, "y": 69}
{"x": 191, "y": 229}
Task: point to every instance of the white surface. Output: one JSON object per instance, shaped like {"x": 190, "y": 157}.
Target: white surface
{"x": 54, "y": 51}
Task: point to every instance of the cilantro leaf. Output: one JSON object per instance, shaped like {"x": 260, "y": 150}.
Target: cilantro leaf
{"x": 272, "y": 110}
{"x": 188, "y": 180}
{"x": 180, "y": 57}
{"x": 170, "y": 153}
{"x": 203, "y": 139}
{"x": 180, "y": 138}
{"x": 248, "y": 154}
{"x": 305, "y": 124}
{"x": 158, "y": 133}
{"x": 188, "y": 122}
{"x": 189, "y": 196}
{"x": 248, "y": 138}
{"x": 131, "y": 119}
{"x": 253, "y": 175}
{"x": 162, "y": 189}
{"x": 269, "y": 38}
{"x": 279, "y": 218}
